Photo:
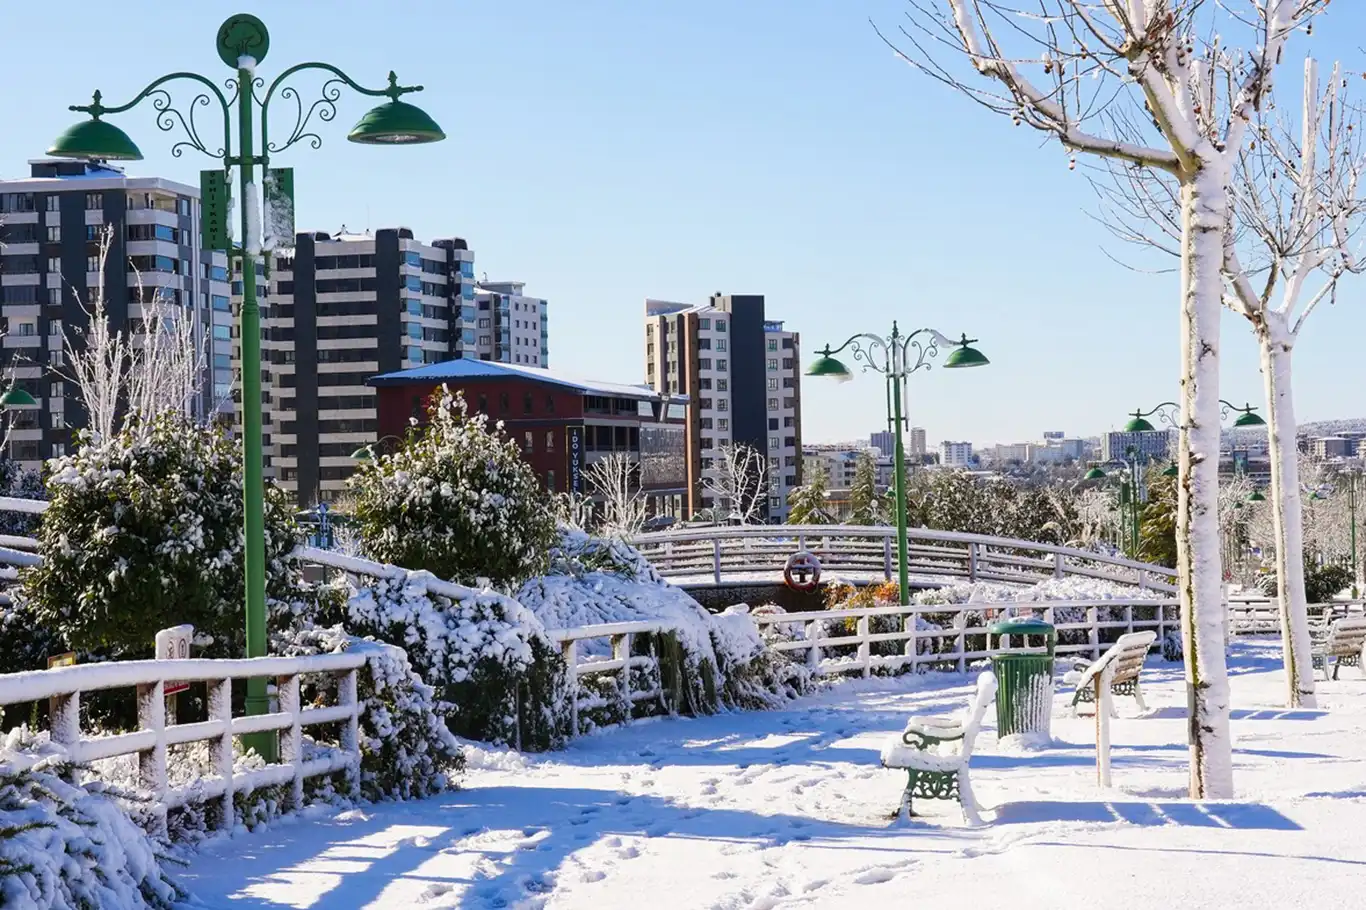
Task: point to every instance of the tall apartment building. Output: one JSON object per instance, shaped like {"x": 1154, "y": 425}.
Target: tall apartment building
{"x": 52, "y": 225}
{"x": 742, "y": 374}
{"x": 955, "y": 454}
{"x": 918, "y": 448}
{"x": 1147, "y": 444}
{"x": 883, "y": 440}
{"x": 343, "y": 309}
{"x": 511, "y": 327}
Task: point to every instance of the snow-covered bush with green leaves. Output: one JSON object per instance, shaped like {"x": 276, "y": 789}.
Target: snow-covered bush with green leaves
{"x": 144, "y": 531}
{"x": 498, "y": 676}
{"x": 456, "y": 499}
{"x": 64, "y": 847}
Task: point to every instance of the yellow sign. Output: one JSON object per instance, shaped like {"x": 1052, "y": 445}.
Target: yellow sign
{"x": 62, "y": 660}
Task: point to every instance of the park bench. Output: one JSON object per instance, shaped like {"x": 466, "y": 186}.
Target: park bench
{"x": 1341, "y": 642}
{"x": 934, "y": 753}
{"x": 1126, "y": 656}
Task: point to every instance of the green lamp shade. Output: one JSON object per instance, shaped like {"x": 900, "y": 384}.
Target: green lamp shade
{"x": 95, "y": 139}
{"x": 363, "y": 454}
{"x": 830, "y": 368}
{"x": 1095, "y": 474}
{"x": 396, "y": 123}
{"x": 1256, "y": 496}
{"x": 1138, "y": 425}
{"x": 1171, "y": 470}
{"x": 17, "y": 398}
{"x": 1249, "y": 419}
{"x": 964, "y": 357}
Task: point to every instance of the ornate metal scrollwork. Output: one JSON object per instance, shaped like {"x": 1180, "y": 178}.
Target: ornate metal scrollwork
{"x": 168, "y": 118}
{"x": 325, "y": 108}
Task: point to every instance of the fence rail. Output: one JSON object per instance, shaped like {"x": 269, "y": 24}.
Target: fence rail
{"x": 739, "y": 554}
{"x": 64, "y": 687}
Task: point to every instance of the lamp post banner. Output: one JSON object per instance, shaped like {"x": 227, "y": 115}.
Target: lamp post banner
{"x": 574, "y": 453}
{"x": 213, "y": 209}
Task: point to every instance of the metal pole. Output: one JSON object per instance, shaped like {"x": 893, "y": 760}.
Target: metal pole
{"x": 1352, "y": 510}
{"x": 894, "y": 377}
{"x": 253, "y": 491}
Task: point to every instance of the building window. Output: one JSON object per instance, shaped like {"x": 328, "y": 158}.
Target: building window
{"x": 787, "y": 363}
{"x": 789, "y": 422}
{"x": 704, "y": 403}
{"x": 526, "y": 403}
{"x": 773, "y": 385}
{"x": 705, "y": 423}
{"x": 720, "y": 344}
{"x": 772, "y": 421}
{"x": 54, "y": 296}
{"x": 723, "y": 404}
{"x": 54, "y": 264}
{"x": 704, "y": 323}
{"x": 54, "y": 327}
{"x": 483, "y": 404}
{"x": 773, "y": 363}
{"x": 54, "y": 203}
{"x": 789, "y": 402}
{"x": 702, "y": 364}
{"x": 723, "y": 423}
{"x": 704, "y": 344}
{"x": 720, "y": 325}
{"x": 550, "y": 404}
{"x": 773, "y": 404}
{"x": 704, "y": 383}
{"x": 92, "y": 263}
{"x": 723, "y": 365}
{"x": 528, "y": 442}
{"x": 54, "y": 233}
{"x": 94, "y": 201}
{"x": 723, "y": 385}
{"x": 550, "y": 440}
{"x": 503, "y": 405}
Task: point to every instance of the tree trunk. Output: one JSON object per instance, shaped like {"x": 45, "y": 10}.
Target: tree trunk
{"x": 1204, "y": 205}
{"x": 1275, "y": 341}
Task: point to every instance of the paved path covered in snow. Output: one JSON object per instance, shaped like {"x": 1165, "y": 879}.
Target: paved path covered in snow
{"x": 790, "y": 809}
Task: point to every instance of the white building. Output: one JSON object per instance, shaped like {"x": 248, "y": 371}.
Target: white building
{"x": 512, "y": 327}
{"x": 52, "y": 225}
{"x": 742, "y": 373}
{"x": 955, "y": 454}
{"x": 919, "y": 449}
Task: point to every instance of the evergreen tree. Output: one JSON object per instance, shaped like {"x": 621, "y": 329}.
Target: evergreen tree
{"x": 806, "y": 504}
{"x": 1157, "y": 522}
{"x": 863, "y": 498}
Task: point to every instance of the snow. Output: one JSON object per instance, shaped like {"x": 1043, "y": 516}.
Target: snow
{"x": 252, "y": 202}
{"x": 791, "y": 808}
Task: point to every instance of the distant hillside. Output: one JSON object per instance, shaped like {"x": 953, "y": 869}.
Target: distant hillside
{"x": 1333, "y": 427}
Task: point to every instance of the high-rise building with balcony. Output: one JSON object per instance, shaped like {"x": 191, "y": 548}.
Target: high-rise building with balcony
{"x": 511, "y": 327}
{"x": 53, "y": 225}
{"x": 741, "y": 372}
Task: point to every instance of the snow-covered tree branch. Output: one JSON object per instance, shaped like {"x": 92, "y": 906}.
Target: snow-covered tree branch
{"x": 738, "y": 482}
{"x": 1134, "y": 82}
{"x": 615, "y": 480}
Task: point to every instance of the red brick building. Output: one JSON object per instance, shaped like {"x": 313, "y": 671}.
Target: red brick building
{"x": 562, "y": 425}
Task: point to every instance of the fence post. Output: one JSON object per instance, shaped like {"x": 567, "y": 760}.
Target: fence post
{"x": 348, "y": 694}
{"x": 66, "y": 723}
{"x": 865, "y": 647}
{"x": 1129, "y": 617}
{"x": 972, "y": 562}
{"x": 887, "y": 557}
{"x": 1059, "y": 565}
{"x": 152, "y": 763}
{"x": 569, "y": 649}
{"x": 716, "y": 559}
{"x": 960, "y": 622}
{"x": 621, "y": 650}
{"x": 291, "y": 738}
{"x": 813, "y": 653}
{"x": 910, "y": 625}
{"x": 1142, "y": 580}
{"x": 1093, "y": 633}
{"x": 220, "y": 748}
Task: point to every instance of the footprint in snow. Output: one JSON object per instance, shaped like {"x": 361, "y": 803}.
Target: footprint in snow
{"x": 875, "y": 876}
{"x": 612, "y": 842}
{"x": 433, "y": 891}
{"x": 628, "y": 853}
{"x": 592, "y": 875}
{"x": 657, "y": 831}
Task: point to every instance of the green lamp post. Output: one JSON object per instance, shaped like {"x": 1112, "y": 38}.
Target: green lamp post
{"x": 242, "y": 42}
{"x": 896, "y": 357}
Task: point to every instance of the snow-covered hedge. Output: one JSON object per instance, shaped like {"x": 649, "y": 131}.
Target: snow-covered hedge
{"x": 499, "y": 677}
{"x": 407, "y": 752}
{"x": 456, "y": 499}
{"x": 144, "y": 531}
{"x": 68, "y": 847}
{"x": 709, "y": 662}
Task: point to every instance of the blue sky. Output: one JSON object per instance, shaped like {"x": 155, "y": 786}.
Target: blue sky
{"x": 604, "y": 152}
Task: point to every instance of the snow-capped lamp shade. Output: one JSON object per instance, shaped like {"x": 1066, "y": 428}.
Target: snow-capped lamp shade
{"x": 1095, "y": 474}
{"x": 1256, "y": 496}
{"x": 363, "y": 454}
{"x": 830, "y": 368}
{"x": 1138, "y": 424}
{"x": 17, "y": 398}
{"x": 95, "y": 140}
{"x": 1171, "y": 470}
{"x": 965, "y": 356}
{"x": 1250, "y": 418}
{"x": 396, "y": 123}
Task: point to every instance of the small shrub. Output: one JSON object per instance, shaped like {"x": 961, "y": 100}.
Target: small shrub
{"x": 458, "y": 500}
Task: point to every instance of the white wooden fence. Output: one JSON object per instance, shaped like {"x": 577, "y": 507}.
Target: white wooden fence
{"x": 65, "y": 685}
{"x": 737, "y": 554}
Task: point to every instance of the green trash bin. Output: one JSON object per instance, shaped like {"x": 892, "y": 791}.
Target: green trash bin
{"x": 1024, "y": 675}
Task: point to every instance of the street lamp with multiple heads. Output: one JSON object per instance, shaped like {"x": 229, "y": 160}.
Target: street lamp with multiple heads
{"x": 242, "y": 43}
{"x": 896, "y": 357}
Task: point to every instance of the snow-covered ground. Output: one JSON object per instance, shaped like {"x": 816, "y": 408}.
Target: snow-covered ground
{"x": 790, "y": 809}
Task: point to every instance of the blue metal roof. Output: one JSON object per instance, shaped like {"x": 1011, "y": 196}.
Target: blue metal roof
{"x": 465, "y": 368}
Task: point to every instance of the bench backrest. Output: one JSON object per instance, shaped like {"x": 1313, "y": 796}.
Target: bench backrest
{"x": 1126, "y": 655}
{"x": 986, "y": 694}
{"x": 1346, "y": 637}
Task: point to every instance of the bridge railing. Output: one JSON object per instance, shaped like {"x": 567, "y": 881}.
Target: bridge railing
{"x": 749, "y": 553}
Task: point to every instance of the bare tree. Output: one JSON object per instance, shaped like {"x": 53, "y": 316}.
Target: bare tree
{"x": 1130, "y": 81}
{"x": 738, "y": 482}
{"x": 615, "y": 479}
{"x": 145, "y": 373}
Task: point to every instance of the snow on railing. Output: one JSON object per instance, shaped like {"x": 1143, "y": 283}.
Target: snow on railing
{"x": 739, "y": 553}
{"x": 151, "y": 740}
{"x": 950, "y": 645}
{"x": 621, "y": 636}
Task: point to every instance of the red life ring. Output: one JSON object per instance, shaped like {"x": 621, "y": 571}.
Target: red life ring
{"x": 807, "y": 569}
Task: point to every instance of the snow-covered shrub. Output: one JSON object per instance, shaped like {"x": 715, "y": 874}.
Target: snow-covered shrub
{"x": 20, "y": 484}
{"x": 64, "y": 847}
{"x": 144, "y": 531}
{"x": 456, "y": 499}
{"x": 502, "y": 679}
{"x": 407, "y": 752}
{"x": 1172, "y": 649}
{"x": 755, "y": 676}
